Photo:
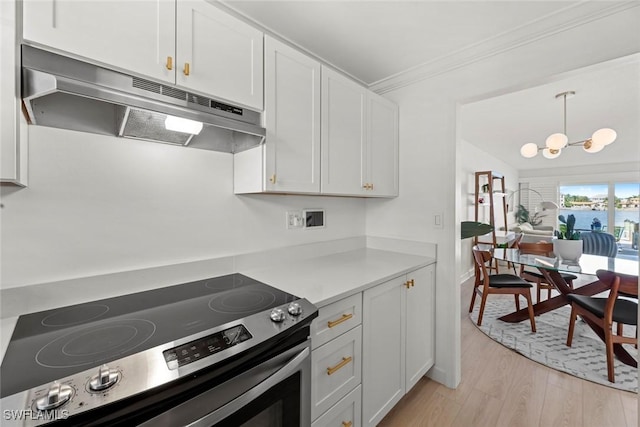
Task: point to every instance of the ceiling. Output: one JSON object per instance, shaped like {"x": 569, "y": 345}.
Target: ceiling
{"x": 374, "y": 40}
{"x": 607, "y": 95}
{"x": 379, "y": 42}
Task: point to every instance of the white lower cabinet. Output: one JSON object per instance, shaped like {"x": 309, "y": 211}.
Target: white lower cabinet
{"x": 336, "y": 363}
{"x": 345, "y": 413}
{"x": 371, "y": 348}
{"x": 336, "y": 368}
{"x": 397, "y": 340}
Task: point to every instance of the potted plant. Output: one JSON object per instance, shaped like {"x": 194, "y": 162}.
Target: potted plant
{"x": 568, "y": 245}
{"x": 523, "y": 215}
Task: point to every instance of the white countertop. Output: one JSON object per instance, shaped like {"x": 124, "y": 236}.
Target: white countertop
{"x": 321, "y": 280}
{"x": 329, "y": 278}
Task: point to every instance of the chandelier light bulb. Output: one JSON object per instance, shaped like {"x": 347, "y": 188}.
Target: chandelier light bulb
{"x": 556, "y": 141}
{"x": 591, "y": 147}
{"x": 529, "y": 150}
{"x": 551, "y": 153}
{"x": 604, "y": 136}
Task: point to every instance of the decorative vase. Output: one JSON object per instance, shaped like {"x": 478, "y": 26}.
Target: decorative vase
{"x": 568, "y": 250}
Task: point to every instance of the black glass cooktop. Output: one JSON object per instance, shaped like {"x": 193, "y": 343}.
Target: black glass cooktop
{"x": 53, "y": 344}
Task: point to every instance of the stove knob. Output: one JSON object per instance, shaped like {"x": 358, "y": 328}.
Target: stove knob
{"x": 105, "y": 379}
{"x": 58, "y": 395}
{"x": 294, "y": 309}
{"x": 278, "y": 315}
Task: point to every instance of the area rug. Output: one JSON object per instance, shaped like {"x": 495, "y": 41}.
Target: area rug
{"x": 586, "y": 357}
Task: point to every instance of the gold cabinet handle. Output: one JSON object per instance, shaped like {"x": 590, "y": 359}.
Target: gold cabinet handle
{"x": 412, "y": 283}
{"x": 368, "y": 186}
{"x": 169, "y": 63}
{"x": 347, "y": 423}
{"x": 272, "y": 179}
{"x": 407, "y": 284}
{"x": 345, "y": 360}
{"x": 186, "y": 69}
{"x": 344, "y": 318}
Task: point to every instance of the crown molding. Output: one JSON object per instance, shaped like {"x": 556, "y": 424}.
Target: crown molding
{"x": 560, "y": 21}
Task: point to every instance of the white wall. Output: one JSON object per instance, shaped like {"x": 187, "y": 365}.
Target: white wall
{"x": 431, "y": 155}
{"x": 98, "y": 204}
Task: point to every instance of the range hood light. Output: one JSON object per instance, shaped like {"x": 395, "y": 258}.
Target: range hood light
{"x": 178, "y": 124}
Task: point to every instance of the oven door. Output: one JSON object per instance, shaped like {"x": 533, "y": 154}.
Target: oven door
{"x": 274, "y": 393}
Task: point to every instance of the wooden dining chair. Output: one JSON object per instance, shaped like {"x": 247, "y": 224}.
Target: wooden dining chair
{"x": 498, "y": 284}
{"x": 543, "y": 249}
{"x": 605, "y": 311}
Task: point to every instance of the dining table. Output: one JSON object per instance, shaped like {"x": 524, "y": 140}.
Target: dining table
{"x": 553, "y": 267}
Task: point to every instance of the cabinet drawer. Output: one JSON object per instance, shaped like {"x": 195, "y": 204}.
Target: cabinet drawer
{"x": 335, "y": 319}
{"x": 336, "y": 368}
{"x": 345, "y": 413}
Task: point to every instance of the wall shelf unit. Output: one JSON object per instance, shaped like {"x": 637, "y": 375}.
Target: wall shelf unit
{"x": 489, "y": 187}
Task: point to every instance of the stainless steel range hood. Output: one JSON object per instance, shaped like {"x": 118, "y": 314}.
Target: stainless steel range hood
{"x": 62, "y": 92}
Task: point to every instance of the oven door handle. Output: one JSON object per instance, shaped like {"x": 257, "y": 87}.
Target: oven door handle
{"x": 238, "y": 403}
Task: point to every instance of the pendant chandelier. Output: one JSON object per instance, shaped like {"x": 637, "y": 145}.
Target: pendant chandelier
{"x": 556, "y": 142}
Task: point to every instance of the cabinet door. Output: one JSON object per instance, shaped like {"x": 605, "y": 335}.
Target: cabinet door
{"x": 420, "y": 324}
{"x": 218, "y": 54}
{"x": 381, "y": 153}
{"x": 343, "y": 115}
{"x": 292, "y": 113}
{"x": 137, "y": 36}
{"x": 13, "y": 153}
{"x": 383, "y": 349}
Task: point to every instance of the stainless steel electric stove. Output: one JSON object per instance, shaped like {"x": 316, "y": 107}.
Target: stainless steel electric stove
{"x": 228, "y": 350}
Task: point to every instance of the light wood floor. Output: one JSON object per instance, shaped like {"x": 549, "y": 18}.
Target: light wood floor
{"x": 499, "y": 387}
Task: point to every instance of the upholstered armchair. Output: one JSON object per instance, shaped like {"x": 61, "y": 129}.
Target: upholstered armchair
{"x": 599, "y": 243}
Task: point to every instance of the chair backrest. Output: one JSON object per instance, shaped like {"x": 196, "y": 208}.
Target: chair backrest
{"x": 621, "y": 284}
{"x": 481, "y": 257}
{"x": 599, "y": 243}
{"x": 537, "y": 248}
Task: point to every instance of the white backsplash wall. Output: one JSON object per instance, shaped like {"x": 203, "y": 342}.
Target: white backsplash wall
{"x": 99, "y": 204}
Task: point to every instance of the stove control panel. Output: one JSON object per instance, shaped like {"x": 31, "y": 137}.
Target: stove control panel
{"x": 211, "y": 344}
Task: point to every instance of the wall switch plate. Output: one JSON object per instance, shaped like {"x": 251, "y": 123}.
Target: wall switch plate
{"x": 438, "y": 220}
{"x": 295, "y": 219}
{"x": 314, "y": 218}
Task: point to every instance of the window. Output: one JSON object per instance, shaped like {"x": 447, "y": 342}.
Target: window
{"x": 608, "y": 207}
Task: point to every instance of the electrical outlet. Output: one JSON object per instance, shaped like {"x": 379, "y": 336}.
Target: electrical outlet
{"x": 295, "y": 219}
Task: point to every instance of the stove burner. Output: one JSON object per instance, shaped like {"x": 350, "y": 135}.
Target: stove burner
{"x": 242, "y": 301}
{"x": 220, "y": 284}
{"x": 75, "y": 315}
{"x": 95, "y": 344}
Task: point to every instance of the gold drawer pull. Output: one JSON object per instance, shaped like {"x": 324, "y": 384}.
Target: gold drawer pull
{"x": 272, "y": 179}
{"x": 169, "y": 63}
{"x": 407, "y": 284}
{"x": 333, "y": 370}
{"x": 344, "y": 318}
{"x": 411, "y": 282}
{"x": 186, "y": 69}
{"x": 347, "y": 423}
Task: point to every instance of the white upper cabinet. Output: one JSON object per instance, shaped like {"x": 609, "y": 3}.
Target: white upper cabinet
{"x": 359, "y": 139}
{"x": 218, "y": 54}
{"x": 13, "y": 129}
{"x": 189, "y": 43}
{"x": 289, "y": 160}
{"x": 381, "y": 157}
{"x": 292, "y": 118}
{"x": 137, "y": 36}
{"x": 343, "y": 134}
